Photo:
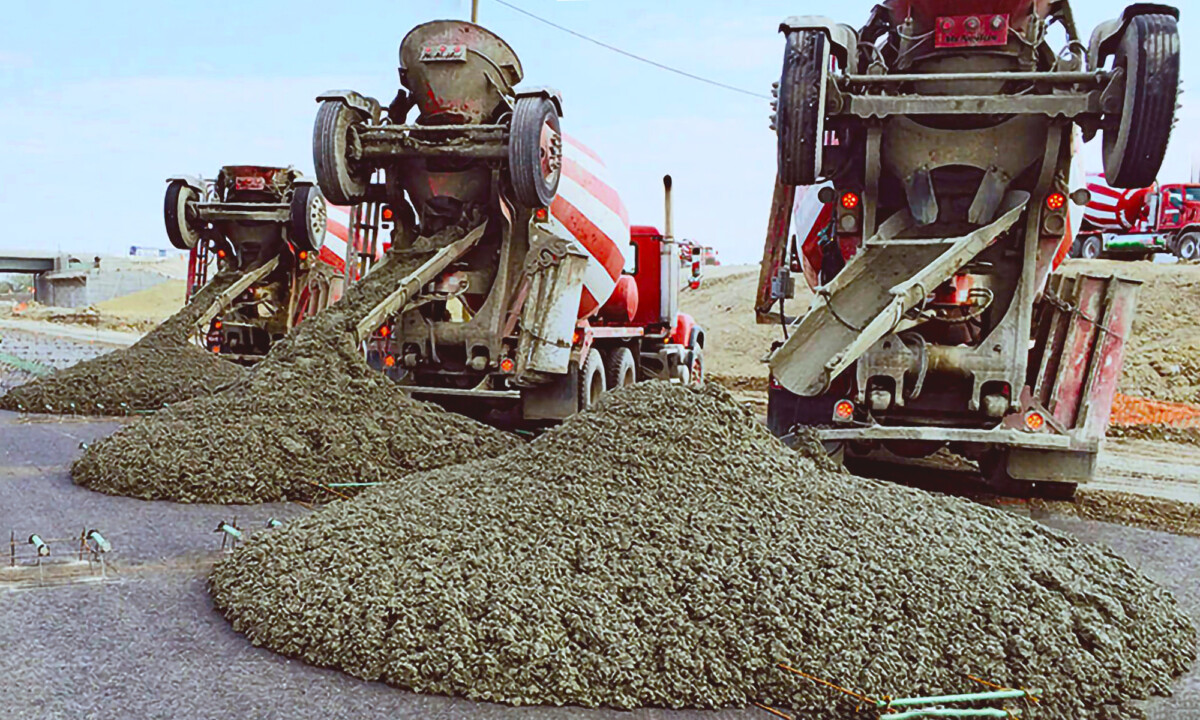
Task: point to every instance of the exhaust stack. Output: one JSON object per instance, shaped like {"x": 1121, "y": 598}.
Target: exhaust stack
{"x": 669, "y": 261}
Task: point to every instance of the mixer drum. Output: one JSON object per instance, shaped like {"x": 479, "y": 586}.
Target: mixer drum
{"x": 458, "y": 73}
{"x": 588, "y": 210}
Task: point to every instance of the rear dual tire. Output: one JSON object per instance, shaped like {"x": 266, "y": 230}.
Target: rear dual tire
{"x": 800, "y": 115}
{"x": 342, "y": 180}
{"x": 535, "y": 151}
{"x": 591, "y": 380}
{"x": 1135, "y": 145}
{"x": 1188, "y": 247}
{"x": 183, "y": 230}
{"x": 307, "y": 218}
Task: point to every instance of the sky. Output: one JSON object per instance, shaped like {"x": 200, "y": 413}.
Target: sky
{"x": 101, "y": 102}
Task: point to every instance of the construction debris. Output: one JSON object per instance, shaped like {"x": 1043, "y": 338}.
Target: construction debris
{"x": 160, "y": 369}
{"x": 310, "y": 417}
{"x": 664, "y": 550}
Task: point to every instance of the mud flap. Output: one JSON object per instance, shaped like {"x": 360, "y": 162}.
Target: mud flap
{"x": 1051, "y": 465}
{"x": 556, "y": 400}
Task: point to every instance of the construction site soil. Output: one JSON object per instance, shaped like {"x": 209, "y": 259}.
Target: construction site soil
{"x": 310, "y": 414}
{"x": 664, "y": 549}
{"x": 160, "y": 369}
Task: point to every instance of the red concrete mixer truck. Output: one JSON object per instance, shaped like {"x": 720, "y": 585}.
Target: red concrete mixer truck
{"x": 1139, "y": 222}
{"x": 519, "y": 302}
{"x": 945, "y": 134}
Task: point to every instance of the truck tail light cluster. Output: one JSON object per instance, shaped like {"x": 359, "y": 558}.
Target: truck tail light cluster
{"x": 971, "y": 31}
{"x": 843, "y": 411}
{"x": 1054, "y": 219}
{"x": 848, "y": 207}
{"x": 507, "y": 365}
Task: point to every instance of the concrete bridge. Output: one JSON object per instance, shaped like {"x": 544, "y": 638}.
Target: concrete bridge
{"x": 33, "y": 261}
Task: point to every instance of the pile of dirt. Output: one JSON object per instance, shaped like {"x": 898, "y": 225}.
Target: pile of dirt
{"x": 664, "y": 550}
{"x": 735, "y": 344}
{"x": 161, "y": 369}
{"x": 311, "y": 414}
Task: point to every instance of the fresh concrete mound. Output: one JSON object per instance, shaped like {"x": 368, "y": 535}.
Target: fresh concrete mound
{"x": 664, "y": 550}
{"x": 310, "y": 415}
{"x": 161, "y": 369}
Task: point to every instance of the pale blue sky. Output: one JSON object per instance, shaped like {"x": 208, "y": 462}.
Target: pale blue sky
{"x": 100, "y": 102}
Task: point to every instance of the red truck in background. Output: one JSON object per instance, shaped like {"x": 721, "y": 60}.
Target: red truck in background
{"x": 1137, "y": 223}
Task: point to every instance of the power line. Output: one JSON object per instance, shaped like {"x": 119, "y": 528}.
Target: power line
{"x": 627, "y": 54}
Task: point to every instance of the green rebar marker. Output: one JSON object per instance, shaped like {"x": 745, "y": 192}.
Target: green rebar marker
{"x": 965, "y": 697}
{"x": 950, "y": 712}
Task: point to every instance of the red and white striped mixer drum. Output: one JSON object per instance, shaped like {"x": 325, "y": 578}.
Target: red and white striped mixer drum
{"x": 589, "y": 210}
{"x": 1114, "y": 209}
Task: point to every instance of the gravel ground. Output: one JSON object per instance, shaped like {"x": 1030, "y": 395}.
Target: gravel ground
{"x": 151, "y": 646}
{"x": 160, "y": 369}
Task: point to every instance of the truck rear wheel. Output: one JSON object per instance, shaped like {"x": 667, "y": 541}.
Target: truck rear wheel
{"x": 1149, "y": 54}
{"x": 307, "y": 218}
{"x": 800, "y": 117}
{"x": 591, "y": 380}
{"x": 342, "y": 180}
{"x": 1091, "y": 247}
{"x": 696, "y": 368}
{"x": 619, "y": 368}
{"x": 1187, "y": 247}
{"x": 535, "y": 152}
{"x": 182, "y": 232}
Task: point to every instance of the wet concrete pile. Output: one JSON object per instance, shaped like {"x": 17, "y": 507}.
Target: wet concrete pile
{"x": 310, "y": 414}
{"x": 161, "y": 369}
{"x": 664, "y": 550}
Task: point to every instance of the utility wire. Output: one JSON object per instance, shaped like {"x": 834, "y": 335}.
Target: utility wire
{"x": 627, "y": 54}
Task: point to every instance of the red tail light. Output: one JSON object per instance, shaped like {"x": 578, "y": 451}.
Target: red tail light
{"x": 221, "y": 254}
{"x": 1056, "y": 201}
{"x": 389, "y": 361}
{"x": 541, "y": 214}
{"x": 385, "y": 331}
{"x": 843, "y": 411}
{"x": 217, "y": 325}
{"x": 303, "y": 254}
{"x": 387, "y": 213}
{"x": 850, "y": 200}
{"x": 1034, "y": 421}
{"x": 507, "y": 365}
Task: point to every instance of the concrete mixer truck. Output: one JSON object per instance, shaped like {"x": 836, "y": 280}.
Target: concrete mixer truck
{"x": 1136, "y": 223}
{"x": 269, "y": 225}
{"x": 518, "y": 302}
{"x": 944, "y": 132}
